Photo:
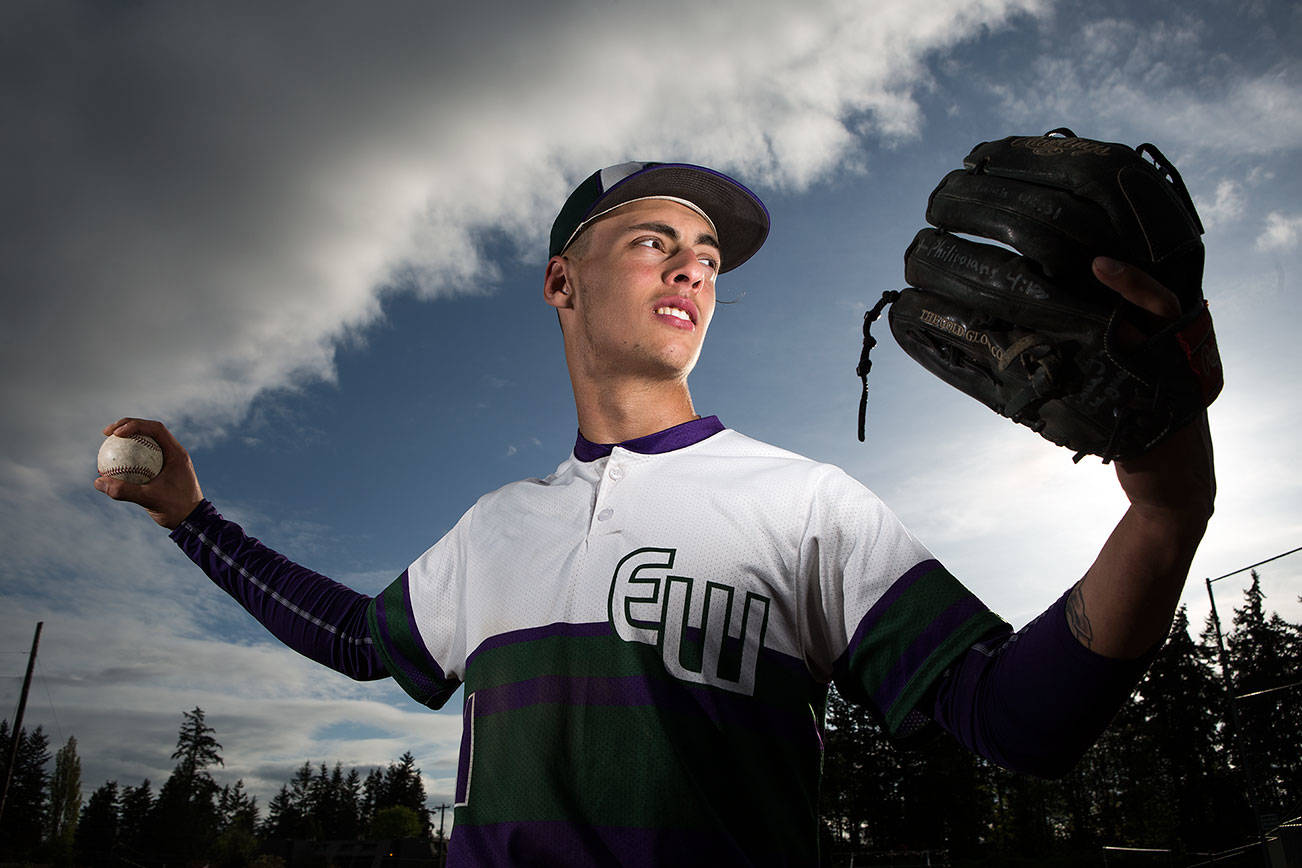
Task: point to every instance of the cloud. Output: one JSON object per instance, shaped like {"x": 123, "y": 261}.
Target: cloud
{"x": 211, "y": 201}
{"x": 1226, "y": 205}
{"x": 1281, "y": 231}
{"x": 1174, "y": 79}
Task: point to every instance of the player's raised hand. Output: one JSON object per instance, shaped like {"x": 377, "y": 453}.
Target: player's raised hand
{"x": 1178, "y": 473}
{"x": 171, "y": 495}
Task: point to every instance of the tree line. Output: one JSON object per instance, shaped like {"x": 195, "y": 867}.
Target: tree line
{"x": 1188, "y": 765}
{"x": 192, "y": 819}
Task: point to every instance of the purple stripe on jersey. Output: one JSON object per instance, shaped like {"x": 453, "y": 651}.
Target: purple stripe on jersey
{"x": 596, "y": 629}
{"x": 579, "y": 845}
{"x": 931, "y": 638}
{"x": 660, "y": 442}
{"x": 547, "y": 631}
{"x": 883, "y": 605}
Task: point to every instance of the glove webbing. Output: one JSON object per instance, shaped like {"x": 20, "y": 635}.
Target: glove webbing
{"x": 865, "y": 364}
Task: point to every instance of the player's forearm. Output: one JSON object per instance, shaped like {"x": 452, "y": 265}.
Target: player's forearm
{"x": 317, "y": 617}
{"x": 1123, "y": 606}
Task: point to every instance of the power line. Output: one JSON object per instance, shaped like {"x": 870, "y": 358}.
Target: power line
{"x": 45, "y": 685}
{"x": 1269, "y": 690}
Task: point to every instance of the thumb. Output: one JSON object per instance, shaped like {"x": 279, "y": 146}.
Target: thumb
{"x": 1137, "y": 287}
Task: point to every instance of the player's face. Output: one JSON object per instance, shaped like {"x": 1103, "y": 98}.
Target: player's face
{"x": 642, "y": 289}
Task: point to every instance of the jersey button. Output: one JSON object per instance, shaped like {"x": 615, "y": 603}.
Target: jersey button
{"x": 616, "y": 473}
{"x": 605, "y": 514}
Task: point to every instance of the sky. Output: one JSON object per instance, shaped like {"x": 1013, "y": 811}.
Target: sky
{"x": 310, "y": 237}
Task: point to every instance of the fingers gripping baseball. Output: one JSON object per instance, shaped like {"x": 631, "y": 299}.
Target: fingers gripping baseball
{"x": 171, "y": 495}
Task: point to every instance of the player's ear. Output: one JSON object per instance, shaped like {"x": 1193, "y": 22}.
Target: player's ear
{"x": 556, "y": 283}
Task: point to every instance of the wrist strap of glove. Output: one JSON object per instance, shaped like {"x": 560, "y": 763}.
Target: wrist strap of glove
{"x": 865, "y": 364}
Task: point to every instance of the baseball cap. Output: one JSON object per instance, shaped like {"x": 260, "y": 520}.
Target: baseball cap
{"x": 741, "y": 222}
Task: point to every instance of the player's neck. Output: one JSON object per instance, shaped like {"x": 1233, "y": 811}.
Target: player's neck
{"x": 615, "y": 412}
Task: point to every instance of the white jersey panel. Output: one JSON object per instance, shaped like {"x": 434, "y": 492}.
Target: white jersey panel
{"x": 727, "y": 528}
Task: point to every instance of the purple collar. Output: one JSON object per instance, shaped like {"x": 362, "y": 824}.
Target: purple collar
{"x": 652, "y": 444}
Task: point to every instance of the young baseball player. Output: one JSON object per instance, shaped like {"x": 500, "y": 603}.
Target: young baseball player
{"x": 646, "y": 636}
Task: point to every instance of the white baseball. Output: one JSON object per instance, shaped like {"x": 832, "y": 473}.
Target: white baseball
{"x": 136, "y": 459}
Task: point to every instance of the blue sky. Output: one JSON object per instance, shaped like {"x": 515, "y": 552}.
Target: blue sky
{"x": 311, "y": 239}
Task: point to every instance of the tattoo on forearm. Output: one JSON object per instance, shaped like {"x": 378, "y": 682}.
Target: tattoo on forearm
{"x": 1077, "y": 620}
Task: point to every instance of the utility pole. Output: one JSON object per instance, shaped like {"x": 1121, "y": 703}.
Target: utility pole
{"x": 16, "y": 732}
{"x": 443, "y": 841}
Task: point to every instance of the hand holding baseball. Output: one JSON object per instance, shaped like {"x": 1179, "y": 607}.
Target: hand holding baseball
{"x": 169, "y": 496}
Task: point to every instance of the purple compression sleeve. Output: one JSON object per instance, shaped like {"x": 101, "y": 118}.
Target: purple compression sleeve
{"x": 315, "y": 616}
{"x": 1034, "y": 701}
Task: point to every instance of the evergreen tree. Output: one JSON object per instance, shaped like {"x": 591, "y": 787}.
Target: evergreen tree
{"x": 372, "y": 797}
{"x": 302, "y": 794}
{"x": 236, "y": 840}
{"x": 25, "y": 805}
{"x": 64, "y": 803}
{"x": 235, "y": 807}
{"x": 283, "y": 816}
{"x": 184, "y": 821}
{"x": 1182, "y": 701}
{"x": 403, "y": 787}
{"x": 97, "y": 832}
{"x": 335, "y": 805}
{"x": 197, "y": 750}
{"x": 1260, "y": 651}
{"x": 861, "y": 792}
{"x": 137, "y": 806}
{"x": 352, "y": 805}
{"x": 947, "y": 798}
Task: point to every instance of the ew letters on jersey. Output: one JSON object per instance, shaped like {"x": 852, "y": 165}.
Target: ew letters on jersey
{"x": 706, "y": 632}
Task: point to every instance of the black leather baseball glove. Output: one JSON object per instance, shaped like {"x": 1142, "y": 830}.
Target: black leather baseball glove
{"x": 1029, "y": 331}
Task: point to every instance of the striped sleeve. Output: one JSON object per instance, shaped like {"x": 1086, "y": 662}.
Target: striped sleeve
{"x": 319, "y": 618}
{"x": 919, "y": 627}
{"x": 894, "y": 618}
{"x": 393, "y": 629}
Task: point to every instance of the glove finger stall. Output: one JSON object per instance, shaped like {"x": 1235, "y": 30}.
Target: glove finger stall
{"x": 988, "y": 277}
{"x": 1060, "y": 231}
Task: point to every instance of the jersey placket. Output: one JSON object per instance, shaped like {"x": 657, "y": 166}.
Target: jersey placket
{"x": 607, "y": 515}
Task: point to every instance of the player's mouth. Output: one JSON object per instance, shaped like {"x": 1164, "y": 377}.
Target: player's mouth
{"x": 677, "y": 311}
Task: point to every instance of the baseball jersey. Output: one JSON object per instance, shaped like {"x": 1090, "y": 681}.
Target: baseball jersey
{"x": 646, "y": 637}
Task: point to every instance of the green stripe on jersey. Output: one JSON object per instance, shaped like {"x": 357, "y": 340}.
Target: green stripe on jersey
{"x": 922, "y": 609}
{"x": 784, "y": 687}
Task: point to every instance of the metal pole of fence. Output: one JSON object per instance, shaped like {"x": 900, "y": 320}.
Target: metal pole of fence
{"x": 1245, "y": 761}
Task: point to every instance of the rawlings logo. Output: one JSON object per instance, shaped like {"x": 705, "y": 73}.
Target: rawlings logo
{"x": 1053, "y": 146}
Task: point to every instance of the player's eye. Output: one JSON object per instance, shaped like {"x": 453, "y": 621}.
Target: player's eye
{"x": 709, "y": 262}
{"x": 650, "y": 241}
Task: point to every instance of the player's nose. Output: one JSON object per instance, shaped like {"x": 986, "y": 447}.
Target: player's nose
{"x": 686, "y": 270}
